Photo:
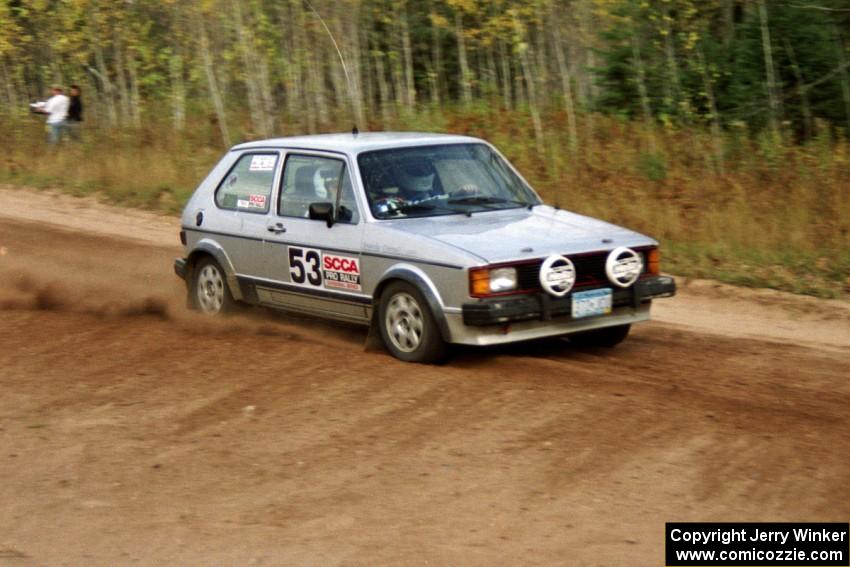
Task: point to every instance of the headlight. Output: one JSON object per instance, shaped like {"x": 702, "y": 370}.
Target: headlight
{"x": 502, "y": 279}
{"x": 486, "y": 281}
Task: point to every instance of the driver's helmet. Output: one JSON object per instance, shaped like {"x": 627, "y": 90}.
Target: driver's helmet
{"x": 416, "y": 177}
{"x": 325, "y": 180}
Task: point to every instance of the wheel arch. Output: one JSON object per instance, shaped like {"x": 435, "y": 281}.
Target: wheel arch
{"x": 210, "y": 248}
{"x": 417, "y": 278}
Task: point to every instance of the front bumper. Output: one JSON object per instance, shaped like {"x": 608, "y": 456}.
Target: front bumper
{"x": 181, "y": 268}
{"x": 543, "y": 307}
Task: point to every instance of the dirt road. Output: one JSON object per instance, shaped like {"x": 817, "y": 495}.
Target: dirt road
{"x": 133, "y": 433}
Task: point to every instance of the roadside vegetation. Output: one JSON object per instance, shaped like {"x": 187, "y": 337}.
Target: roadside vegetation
{"x": 719, "y": 127}
{"x": 778, "y": 217}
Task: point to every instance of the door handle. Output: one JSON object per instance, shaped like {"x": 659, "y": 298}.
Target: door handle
{"x": 276, "y": 228}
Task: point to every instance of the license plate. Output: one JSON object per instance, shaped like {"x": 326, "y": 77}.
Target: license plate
{"x": 592, "y": 303}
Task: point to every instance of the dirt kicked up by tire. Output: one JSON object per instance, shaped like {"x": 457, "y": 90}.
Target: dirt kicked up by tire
{"x": 136, "y": 432}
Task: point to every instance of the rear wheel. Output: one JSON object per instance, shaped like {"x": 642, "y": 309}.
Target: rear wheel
{"x": 210, "y": 294}
{"x": 608, "y": 337}
{"x": 407, "y": 325}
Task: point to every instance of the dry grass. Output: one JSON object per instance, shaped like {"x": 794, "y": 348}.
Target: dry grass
{"x": 777, "y": 214}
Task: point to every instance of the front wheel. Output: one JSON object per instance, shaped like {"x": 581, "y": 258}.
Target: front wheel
{"x": 210, "y": 294}
{"x": 407, "y": 325}
{"x": 608, "y": 337}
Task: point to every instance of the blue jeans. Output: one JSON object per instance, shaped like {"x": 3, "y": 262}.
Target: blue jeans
{"x": 72, "y": 129}
{"x": 56, "y": 131}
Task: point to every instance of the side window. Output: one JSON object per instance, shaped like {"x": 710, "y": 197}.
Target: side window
{"x": 314, "y": 179}
{"x": 248, "y": 185}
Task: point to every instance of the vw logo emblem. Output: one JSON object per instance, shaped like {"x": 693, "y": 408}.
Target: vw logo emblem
{"x": 557, "y": 275}
{"x": 623, "y": 266}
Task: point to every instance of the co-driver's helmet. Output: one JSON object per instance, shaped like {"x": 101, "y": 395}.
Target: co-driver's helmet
{"x": 415, "y": 176}
{"x": 326, "y": 177}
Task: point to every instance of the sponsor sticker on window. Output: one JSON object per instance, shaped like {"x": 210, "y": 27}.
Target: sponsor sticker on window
{"x": 262, "y": 163}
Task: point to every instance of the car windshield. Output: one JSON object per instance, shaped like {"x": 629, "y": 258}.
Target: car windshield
{"x": 440, "y": 180}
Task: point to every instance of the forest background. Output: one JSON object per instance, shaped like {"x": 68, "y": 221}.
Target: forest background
{"x": 718, "y": 126}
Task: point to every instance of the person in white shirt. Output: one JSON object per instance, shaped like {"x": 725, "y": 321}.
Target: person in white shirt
{"x": 56, "y": 109}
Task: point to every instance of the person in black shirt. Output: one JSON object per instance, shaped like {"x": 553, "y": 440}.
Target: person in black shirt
{"x": 75, "y": 113}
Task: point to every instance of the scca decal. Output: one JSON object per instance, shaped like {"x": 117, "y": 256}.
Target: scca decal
{"x": 341, "y": 264}
{"x": 341, "y": 272}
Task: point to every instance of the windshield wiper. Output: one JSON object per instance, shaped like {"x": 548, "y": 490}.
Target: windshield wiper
{"x": 486, "y": 200}
{"x": 422, "y": 206}
{"x": 475, "y": 200}
{"x": 416, "y": 207}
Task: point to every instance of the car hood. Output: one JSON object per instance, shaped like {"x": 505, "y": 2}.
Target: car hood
{"x": 518, "y": 234}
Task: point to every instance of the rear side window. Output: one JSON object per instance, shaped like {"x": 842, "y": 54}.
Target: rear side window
{"x": 248, "y": 185}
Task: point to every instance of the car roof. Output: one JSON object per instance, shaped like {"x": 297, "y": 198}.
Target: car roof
{"x": 355, "y": 143}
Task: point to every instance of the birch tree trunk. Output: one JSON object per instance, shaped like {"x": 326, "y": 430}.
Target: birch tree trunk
{"x": 178, "y": 92}
{"x": 317, "y": 86}
{"x": 336, "y": 67}
{"x": 249, "y": 75}
{"x": 492, "y": 72}
{"x": 307, "y": 104}
{"x": 466, "y": 87}
{"x": 436, "y": 62}
{"x": 587, "y": 94}
{"x": 383, "y": 88}
{"x": 108, "y": 91}
{"x": 674, "y": 87}
{"x": 410, "y": 86}
{"x": 716, "y": 134}
{"x": 520, "y": 86}
{"x": 367, "y": 88}
{"x": 294, "y": 36}
{"x": 354, "y": 83}
{"x": 255, "y": 75}
{"x": 135, "y": 99}
{"x": 586, "y": 24}
{"x": 507, "y": 76}
{"x": 101, "y": 71}
{"x": 538, "y": 39}
{"x": 212, "y": 83}
{"x": 772, "y": 96}
{"x": 340, "y": 89}
{"x": 395, "y": 55}
{"x": 640, "y": 78}
{"x": 533, "y": 105}
{"x": 566, "y": 85}
{"x": 121, "y": 77}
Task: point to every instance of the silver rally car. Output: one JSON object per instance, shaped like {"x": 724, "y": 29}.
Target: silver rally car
{"x": 434, "y": 239}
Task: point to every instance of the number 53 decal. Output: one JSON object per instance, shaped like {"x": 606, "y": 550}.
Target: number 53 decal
{"x": 305, "y": 266}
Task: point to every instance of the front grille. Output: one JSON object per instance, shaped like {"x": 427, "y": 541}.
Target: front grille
{"x": 590, "y": 270}
{"x": 528, "y": 276}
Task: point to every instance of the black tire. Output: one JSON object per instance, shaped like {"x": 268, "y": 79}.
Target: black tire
{"x": 608, "y": 337}
{"x": 209, "y": 292}
{"x": 408, "y": 327}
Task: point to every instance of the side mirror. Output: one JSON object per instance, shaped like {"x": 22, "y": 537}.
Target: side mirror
{"x": 322, "y": 211}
